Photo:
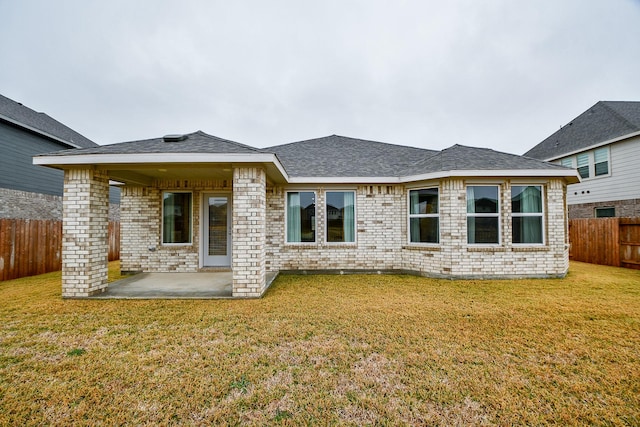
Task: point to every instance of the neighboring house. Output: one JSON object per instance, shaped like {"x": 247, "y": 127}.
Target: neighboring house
{"x": 603, "y": 144}
{"x": 192, "y": 202}
{"x": 28, "y": 191}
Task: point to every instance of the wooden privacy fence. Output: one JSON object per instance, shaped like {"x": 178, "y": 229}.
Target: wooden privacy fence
{"x": 607, "y": 241}
{"x": 29, "y": 247}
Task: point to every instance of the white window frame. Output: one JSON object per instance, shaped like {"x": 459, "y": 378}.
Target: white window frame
{"x": 326, "y": 218}
{"x": 591, "y": 162}
{"x": 410, "y": 215}
{"x": 286, "y": 217}
{"x": 162, "y": 242}
{"x": 498, "y": 214}
{"x": 533, "y": 214}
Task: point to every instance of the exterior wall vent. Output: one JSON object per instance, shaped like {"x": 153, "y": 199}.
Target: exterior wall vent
{"x": 174, "y": 138}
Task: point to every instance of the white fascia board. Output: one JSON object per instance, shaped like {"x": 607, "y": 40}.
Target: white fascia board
{"x": 159, "y": 158}
{"x": 41, "y": 132}
{"x": 569, "y": 173}
{"x": 591, "y": 147}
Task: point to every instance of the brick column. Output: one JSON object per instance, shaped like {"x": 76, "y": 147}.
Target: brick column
{"x": 249, "y": 231}
{"x": 85, "y": 226}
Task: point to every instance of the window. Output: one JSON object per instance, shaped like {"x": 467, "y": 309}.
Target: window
{"x": 526, "y": 211}
{"x": 341, "y": 221}
{"x": 568, "y": 162}
{"x": 601, "y": 161}
{"x": 176, "y": 218}
{"x": 301, "y": 216}
{"x": 423, "y": 216}
{"x": 583, "y": 165}
{"x": 483, "y": 215}
{"x": 605, "y": 212}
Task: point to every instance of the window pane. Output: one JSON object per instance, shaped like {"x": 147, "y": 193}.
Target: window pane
{"x": 301, "y": 217}
{"x": 583, "y": 165}
{"x": 602, "y": 168}
{"x": 526, "y": 199}
{"x": 482, "y": 199}
{"x": 482, "y": 230}
{"x": 424, "y": 230}
{"x": 605, "y": 212}
{"x": 176, "y": 221}
{"x": 340, "y": 216}
{"x": 423, "y": 201}
{"x": 601, "y": 155}
{"x": 568, "y": 162}
{"x": 527, "y": 229}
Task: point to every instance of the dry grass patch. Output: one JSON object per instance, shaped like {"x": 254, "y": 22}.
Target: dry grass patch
{"x": 329, "y": 350}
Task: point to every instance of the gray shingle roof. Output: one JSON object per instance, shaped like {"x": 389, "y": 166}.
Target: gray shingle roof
{"x": 18, "y": 113}
{"x": 604, "y": 121}
{"x": 460, "y": 157}
{"x": 337, "y": 156}
{"x": 196, "y": 142}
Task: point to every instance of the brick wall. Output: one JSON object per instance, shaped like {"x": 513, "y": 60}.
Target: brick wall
{"x": 382, "y": 242}
{"x": 18, "y": 204}
{"x": 624, "y": 208}
{"x": 141, "y": 234}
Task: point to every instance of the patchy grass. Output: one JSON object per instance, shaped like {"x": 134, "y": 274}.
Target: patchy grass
{"x": 329, "y": 350}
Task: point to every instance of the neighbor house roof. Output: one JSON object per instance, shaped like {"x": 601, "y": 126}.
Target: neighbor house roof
{"x": 17, "y": 114}
{"x": 605, "y": 122}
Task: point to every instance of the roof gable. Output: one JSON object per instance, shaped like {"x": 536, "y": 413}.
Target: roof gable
{"x": 16, "y": 113}
{"x": 605, "y": 121}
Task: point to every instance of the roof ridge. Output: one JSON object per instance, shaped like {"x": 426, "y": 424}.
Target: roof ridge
{"x": 355, "y": 139}
{"x": 226, "y": 140}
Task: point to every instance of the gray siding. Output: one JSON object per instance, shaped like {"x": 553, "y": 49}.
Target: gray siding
{"x": 623, "y": 183}
{"x": 17, "y": 171}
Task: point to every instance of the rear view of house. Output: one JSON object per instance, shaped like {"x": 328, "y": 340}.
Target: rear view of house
{"x": 194, "y": 202}
{"x": 603, "y": 144}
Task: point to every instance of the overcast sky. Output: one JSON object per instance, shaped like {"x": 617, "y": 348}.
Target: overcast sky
{"x": 501, "y": 74}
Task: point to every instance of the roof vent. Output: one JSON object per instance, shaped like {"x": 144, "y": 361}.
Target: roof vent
{"x": 174, "y": 138}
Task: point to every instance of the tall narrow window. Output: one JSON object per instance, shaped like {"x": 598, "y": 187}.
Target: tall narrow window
{"x": 301, "y": 216}
{"x": 424, "y": 219}
{"x": 483, "y": 215}
{"x": 601, "y": 161}
{"x": 341, "y": 221}
{"x": 176, "y": 217}
{"x": 526, "y": 211}
{"x": 583, "y": 165}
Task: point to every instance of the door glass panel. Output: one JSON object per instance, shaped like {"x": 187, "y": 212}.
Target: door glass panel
{"x": 218, "y": 226}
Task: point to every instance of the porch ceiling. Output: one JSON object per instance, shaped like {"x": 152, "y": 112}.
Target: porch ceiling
{"x": 146, "y": 174}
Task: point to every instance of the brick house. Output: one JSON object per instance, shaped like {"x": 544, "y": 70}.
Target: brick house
{"x": 603, "y": 144}
{"x": 335, "y": 204}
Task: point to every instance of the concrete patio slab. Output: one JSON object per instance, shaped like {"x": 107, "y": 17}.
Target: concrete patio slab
{"x": 203, "y": 285}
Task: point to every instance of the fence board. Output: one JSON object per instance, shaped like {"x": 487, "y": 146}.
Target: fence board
{"x": 29, "y": 247}
{"x": 607, "y": 241}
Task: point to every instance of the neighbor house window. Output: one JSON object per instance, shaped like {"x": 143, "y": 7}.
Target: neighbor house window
{"x": 568, "y": 162}
{"x": 601, "y": 161}
{"x": 526, "y": 211}
{"x": 424, "y": 219}
{"x": 483, "y": 214}
{"x": 176, "y": 217}
{"x": 340, "y": 214}
{"x": 605, "y": 212}
{"x": 301, "y": 216}
{"x": 583, "y": 165}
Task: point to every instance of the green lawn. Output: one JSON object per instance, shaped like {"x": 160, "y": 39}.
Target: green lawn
{"x": 329, "y": 350}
